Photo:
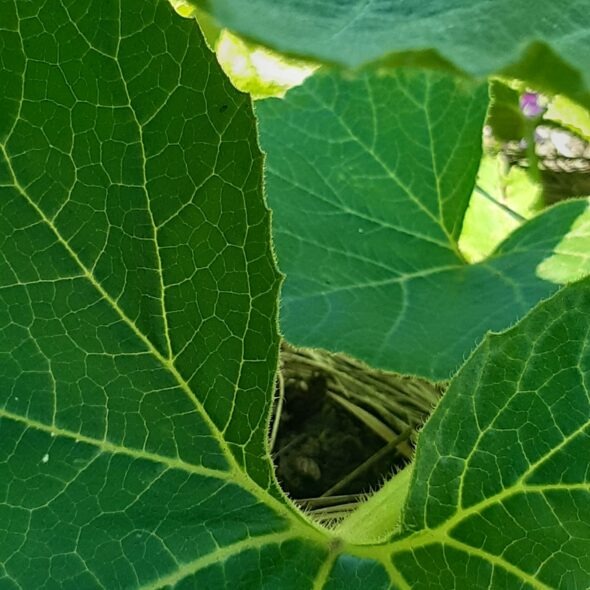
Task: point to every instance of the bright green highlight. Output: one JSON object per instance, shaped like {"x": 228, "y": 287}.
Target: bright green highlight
{"x": 570, "y": 115}
{"x": 257, "y": 70}
{"x": 501, "y": 202}
{"x": 251, "y": 68}
{"x": 379, "y": 517}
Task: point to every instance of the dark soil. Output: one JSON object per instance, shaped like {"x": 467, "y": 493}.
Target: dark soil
{"x": 343, "y": 427}
{"x": 319, "y": 443}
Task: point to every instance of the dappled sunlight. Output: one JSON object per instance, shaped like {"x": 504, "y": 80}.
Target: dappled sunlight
{"x": 254, "y": 69}
{"x": 257, "y": 70}
{"x": 571, "y": 258}
{"x": 500, "y": 203}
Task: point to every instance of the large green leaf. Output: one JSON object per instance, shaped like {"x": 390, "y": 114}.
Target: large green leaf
{"x": 500, "y": 495}
{"x": 138, "y": 344}
{"x": 544, "y": 41}
{"x": 137, "y": 303}
{"x": 369, "y": 178}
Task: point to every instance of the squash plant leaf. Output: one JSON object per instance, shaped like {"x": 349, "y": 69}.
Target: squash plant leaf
{"x": 544, "y": 42}
{"x": 369, "y": 178}
{"x": 500, "y": 496}
{"x": 138, "y": 345}
{"x": 137, "y": 305}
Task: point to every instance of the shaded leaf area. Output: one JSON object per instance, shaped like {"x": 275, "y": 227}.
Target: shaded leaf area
{"x": 506, "y": 119}
{"x": 369, "y": 179}
{"x": 138, "y": 346}
{"x": 545, "y": 43}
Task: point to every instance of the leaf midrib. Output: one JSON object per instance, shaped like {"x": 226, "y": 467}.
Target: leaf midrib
{"x": 235, "y": 471}
{"x": 218, "y": 556}
{"x": 106, "y": 446}
{"x": 87, "y": 274}
{"x": 452, "y": 244}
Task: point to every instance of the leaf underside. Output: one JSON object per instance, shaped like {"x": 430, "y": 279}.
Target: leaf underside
{"x": 545, "y": 42}
{"x": 369, "y": 178}
{"x": 138, "y": 346}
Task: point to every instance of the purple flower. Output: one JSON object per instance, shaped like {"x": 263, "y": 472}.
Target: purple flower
{"x": 531, "y": 105}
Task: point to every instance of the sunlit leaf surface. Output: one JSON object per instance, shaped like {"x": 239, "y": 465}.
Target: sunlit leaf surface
{"x": 544, "y": 42}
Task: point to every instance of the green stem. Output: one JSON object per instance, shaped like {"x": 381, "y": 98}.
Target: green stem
{"x": 377, "y": 519}
{"x": 517, "y": 216}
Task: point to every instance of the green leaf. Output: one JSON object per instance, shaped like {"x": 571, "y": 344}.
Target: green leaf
{"x": 138, "y": 343}
{"x": 545, "y": 42}
{"x": 501, "y": 490}
{"x": 506, "y": 118}
{"x": 369, "y": 178}
{"x": 137, "y": 304}
{"x": 571, "y": 256}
